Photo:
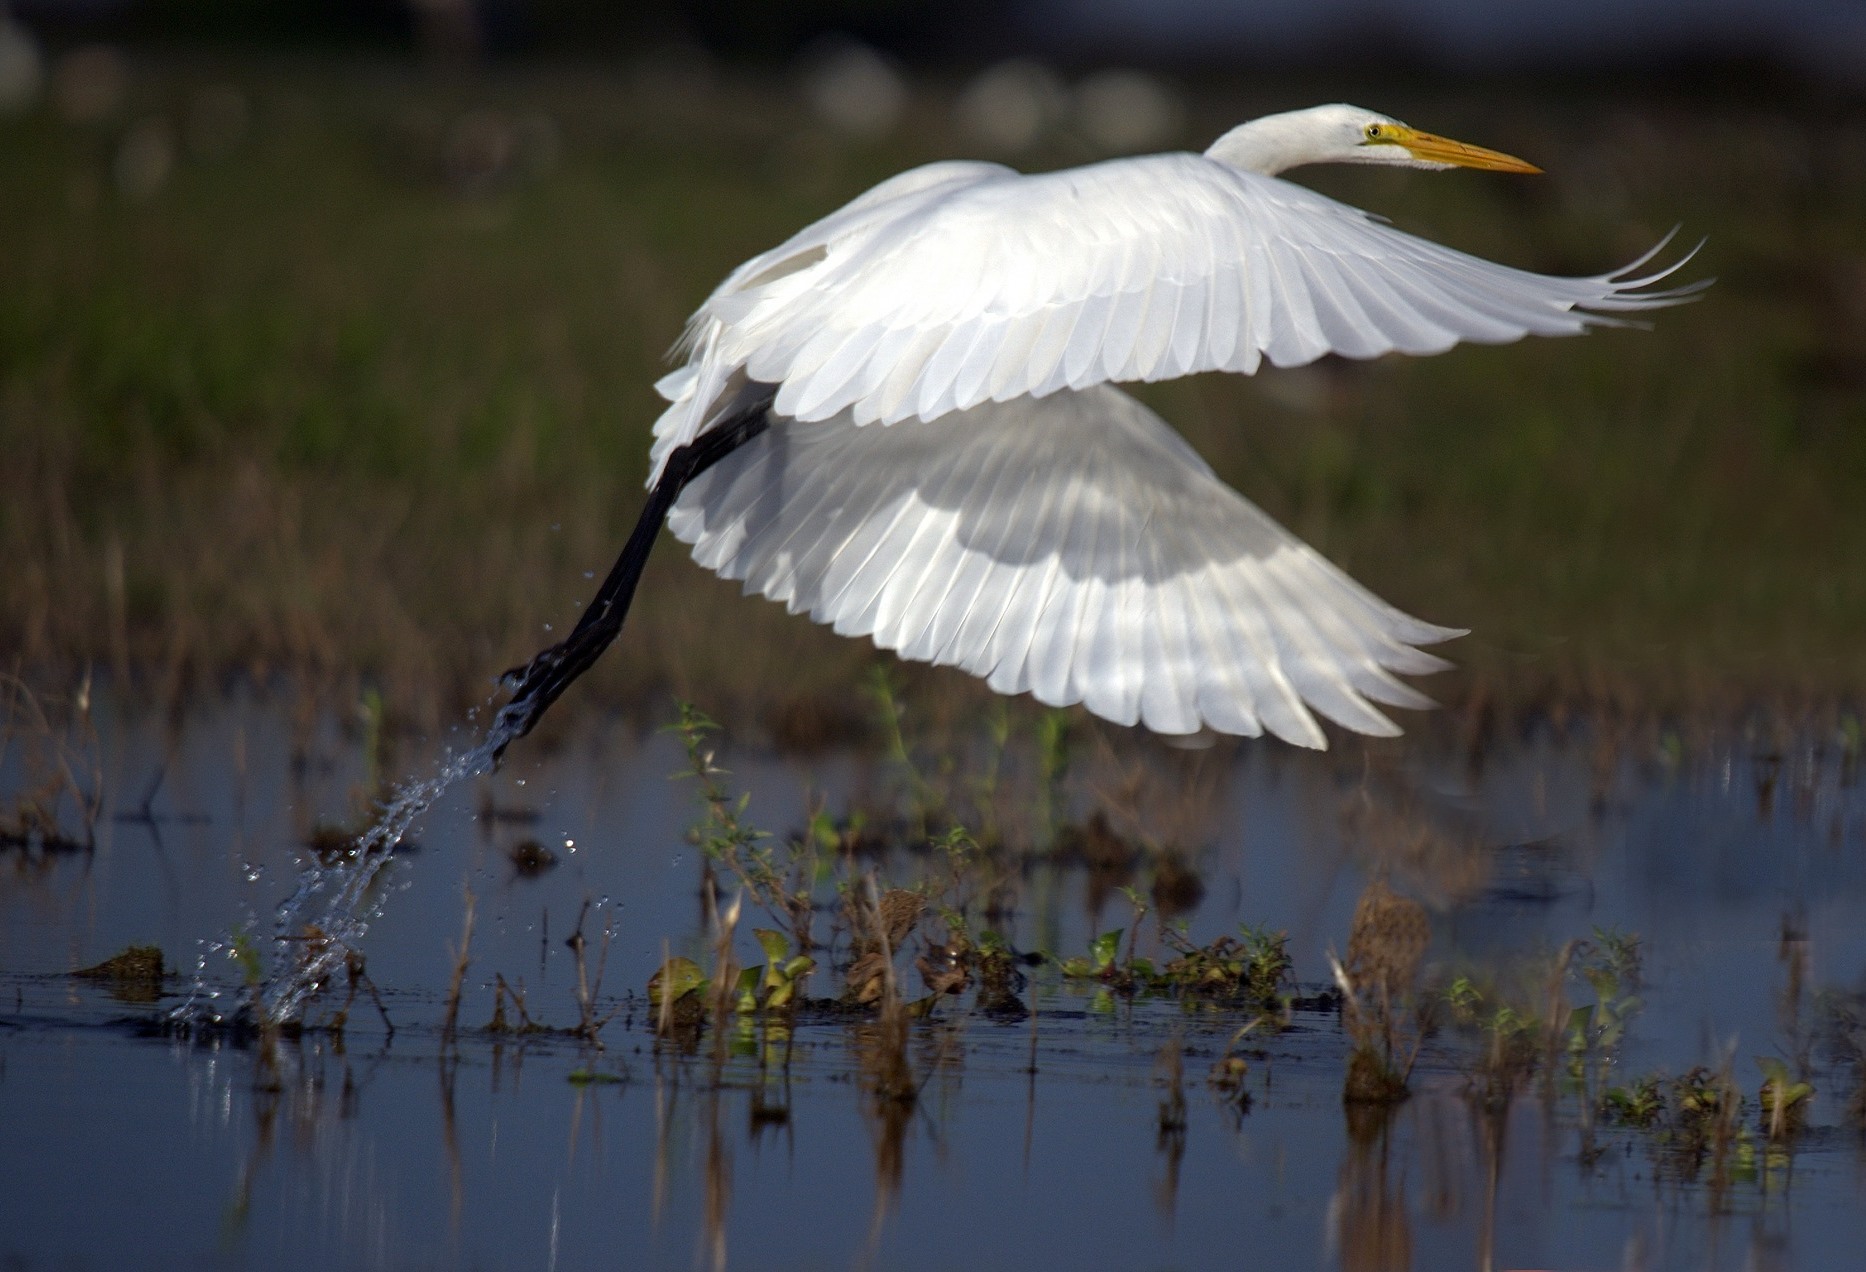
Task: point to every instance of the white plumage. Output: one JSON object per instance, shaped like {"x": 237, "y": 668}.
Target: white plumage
{"x": 1071, "y": 546}
{"x": 1022, "y": 518}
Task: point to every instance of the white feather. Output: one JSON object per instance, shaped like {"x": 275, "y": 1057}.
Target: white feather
{"x": 924, "y": 295}
{"x": 1019, "y": 517}
{"x": 1071, "y": 546}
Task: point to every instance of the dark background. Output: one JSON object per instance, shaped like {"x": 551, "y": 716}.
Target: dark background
{"x": 1822, "y": 37}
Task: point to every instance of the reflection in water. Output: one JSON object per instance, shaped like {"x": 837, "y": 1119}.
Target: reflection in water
{"x": 296, "y": 1099}
{"x": 771, "y": 1094}
{"x": 447, "y": 1068}
{"x": 888, "y": 1117}
{"x": 718, "y": 1174}
{"x": 324, "y": 1158}
{"x": 310, "y": 1097}
{"x": 1490, "y": 1123}
{"x": 664, "y": 1093}
{"x": 1170, "y": 1142}
{"x": 1369, "y": 1223}
{"x": 890, "y": 1099}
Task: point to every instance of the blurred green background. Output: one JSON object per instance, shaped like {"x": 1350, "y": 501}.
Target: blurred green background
{"x": 326, "y": 343}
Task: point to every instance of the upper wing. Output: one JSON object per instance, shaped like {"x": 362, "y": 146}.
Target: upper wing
{"x": 697, "y": 391}
{"x": 986, "y": 285}
{"x": 1073, "y": 547}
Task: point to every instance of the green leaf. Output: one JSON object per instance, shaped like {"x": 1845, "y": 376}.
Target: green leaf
{"x": 245, "y": 951}
{"x": 747, "y": 989}
{"x": 1106, "y": 947}
{"x": 682, "y": 976}
{"x": 775, "y": 944}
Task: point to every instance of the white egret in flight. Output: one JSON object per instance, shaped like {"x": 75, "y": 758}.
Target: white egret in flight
{"x": 903, "y": 422}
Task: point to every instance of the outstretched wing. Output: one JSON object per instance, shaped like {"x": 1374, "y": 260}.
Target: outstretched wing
{"x": 965, "y": 283}
{"x": 1071, "y": 546}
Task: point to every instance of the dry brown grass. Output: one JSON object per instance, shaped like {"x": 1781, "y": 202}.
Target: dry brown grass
{"x": 330, "y": 408}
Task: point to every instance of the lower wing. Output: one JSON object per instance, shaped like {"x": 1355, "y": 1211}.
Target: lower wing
{"x": 1073, "y": 547}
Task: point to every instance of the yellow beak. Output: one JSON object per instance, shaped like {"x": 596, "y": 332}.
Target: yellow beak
{"x": 1435, "y": 149}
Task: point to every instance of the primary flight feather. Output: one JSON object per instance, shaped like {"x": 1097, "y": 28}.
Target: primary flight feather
{"x": 926, "y": 445}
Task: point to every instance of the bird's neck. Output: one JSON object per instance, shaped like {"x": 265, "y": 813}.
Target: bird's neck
{"x": 1268, "y": 145}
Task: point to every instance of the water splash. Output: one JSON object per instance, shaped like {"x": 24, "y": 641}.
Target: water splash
{"x": 326, "y": 916}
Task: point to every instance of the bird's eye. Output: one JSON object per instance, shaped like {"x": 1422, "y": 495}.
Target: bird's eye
{"x": 1373, "y": 132}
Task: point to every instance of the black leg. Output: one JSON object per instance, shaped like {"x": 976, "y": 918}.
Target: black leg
{"x": 539, "y": 682}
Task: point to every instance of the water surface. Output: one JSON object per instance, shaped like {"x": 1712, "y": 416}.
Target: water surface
{"x": 124, "y": 1143}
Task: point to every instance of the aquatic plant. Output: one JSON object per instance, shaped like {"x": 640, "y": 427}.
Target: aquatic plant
{"x": 1525, "y": 1021}
{"x": 1387, "y": 942}
{"x": 134, "y": 976}
{"x": 460, "y": 957}
{"x": 1639, "y": 1104}
{"x": 503, "y": 993}
{"x": 783, "y": 972}
{"x": 1782, "y": 1098}
{"x": 1254, "y": 971}
{"x": 926, "y": 806}
{"x": 1511, "y": 1039}
{"x": 1591, "y": 1035}
{"x": 673, "y": 980}
{"x": 976, "y": 771}
{"x": 1253, "y": 968}
{"x": 678, "y": 992}
{"x": 244, "y": 951}
{"x": 999, "y": 979}
{"x": 784, "y": 889}
{"x": 1230, "y": 1069}
{"x": 588, "y": 989}
{"x": 1694, "y": 1123}
{"x": 1705, "y": 1123}
{"x": 1052, "y": 746}
{"x": 880, "y": 923}
{"x": 1102, "y": 963}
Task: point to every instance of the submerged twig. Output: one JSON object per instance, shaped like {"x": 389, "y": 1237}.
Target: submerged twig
{"x": 588, "y": 1023}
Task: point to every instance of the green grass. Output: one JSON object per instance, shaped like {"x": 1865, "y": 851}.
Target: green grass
{"x": 311, "y": 408}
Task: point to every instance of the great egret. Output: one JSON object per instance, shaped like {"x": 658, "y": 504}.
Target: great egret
{"x": 902, "y": 421}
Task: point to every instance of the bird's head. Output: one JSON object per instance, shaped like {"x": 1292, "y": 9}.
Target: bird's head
{"x": 1349, "y": 134}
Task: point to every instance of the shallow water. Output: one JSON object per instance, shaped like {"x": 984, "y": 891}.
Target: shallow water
{"x": 123, "y": 1145}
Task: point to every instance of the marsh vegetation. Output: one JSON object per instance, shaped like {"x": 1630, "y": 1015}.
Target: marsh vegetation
{"x": 358, "y": 391}
{"x": 325, "y": 389}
